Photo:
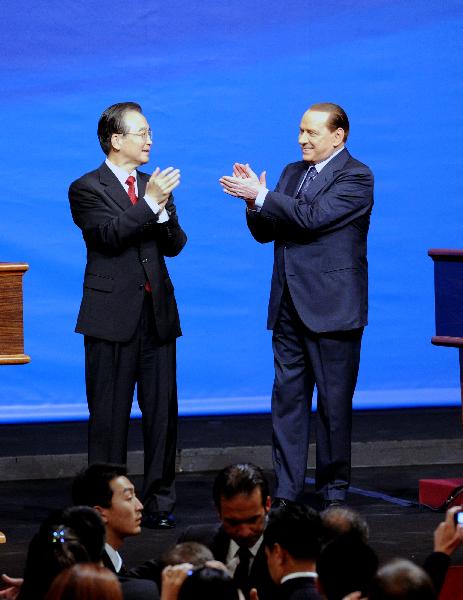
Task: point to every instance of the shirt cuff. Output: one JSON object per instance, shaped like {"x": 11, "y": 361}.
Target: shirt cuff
{"x": 259, "y": 201}
{"x": 163, "y": 215}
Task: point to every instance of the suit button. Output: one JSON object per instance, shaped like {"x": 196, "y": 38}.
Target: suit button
{"x": 144, "y": 260}
{"x": 141, "y": 286}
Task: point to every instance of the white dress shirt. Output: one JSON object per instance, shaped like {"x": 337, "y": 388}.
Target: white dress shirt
{"x": 114, "y": 557}
{"x": 232, "y": 560}
{"x": 122, "y": 175}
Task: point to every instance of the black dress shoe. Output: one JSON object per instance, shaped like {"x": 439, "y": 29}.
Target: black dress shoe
{"x": 281, "y": 503}
{"x": 158, "y": 520}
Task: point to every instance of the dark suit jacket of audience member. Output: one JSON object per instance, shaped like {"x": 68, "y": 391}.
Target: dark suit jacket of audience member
{"x": 300, "y": 588}
{"x": 215, "y": 538}
{"x": 135, "y": 585}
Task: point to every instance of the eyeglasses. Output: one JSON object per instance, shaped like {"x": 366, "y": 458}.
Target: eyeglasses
{"x": 144, "y": 135}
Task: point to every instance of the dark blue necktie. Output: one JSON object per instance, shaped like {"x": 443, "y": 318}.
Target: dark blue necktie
{"x": 306, "y": 182}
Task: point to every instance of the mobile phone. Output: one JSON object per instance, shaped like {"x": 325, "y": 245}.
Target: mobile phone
{"x": 459, "y": 517}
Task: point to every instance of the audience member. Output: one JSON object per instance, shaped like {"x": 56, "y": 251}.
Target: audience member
{"x": 345, "y": 565}
{"x": 292, "y": 545}
{"x": 193, "y": 553}
{"x": 64, "y": 538}
{"x": 447, "y": 538}
{"x": 241, "y": 497}
{"x": 107, "y": 489}
{"x": 182, "y": 582}
{"x": 85, "y": 582}
{"x": 339, "y": 520}
{"x": 74, "y": 535}
{"x": 401, "y": 580}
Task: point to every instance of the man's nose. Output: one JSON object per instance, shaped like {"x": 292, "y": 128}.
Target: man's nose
{"x": 138, "y": 505}
{"x": 303, "y": 138}
{"x": 245, "y": 531}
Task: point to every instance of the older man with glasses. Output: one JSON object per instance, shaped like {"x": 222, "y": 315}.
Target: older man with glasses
{"x": 128, "y": 313}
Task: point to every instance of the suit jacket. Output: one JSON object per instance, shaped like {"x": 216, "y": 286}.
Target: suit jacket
{"x": 215, "y": 538}
{"x": 300, "y": 588}
{"x": 143, "y": 581}
{"x": 133, "y": 587}
{"x": 125, "y": 248}
{"x": 320, "y": 243}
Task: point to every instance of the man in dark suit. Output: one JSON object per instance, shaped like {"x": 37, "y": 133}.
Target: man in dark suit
{"x": 128, "y": 313}
{"x": 292, "y": 545}
{"x": 318, "y": 217}
{"x": 241, "y": 497}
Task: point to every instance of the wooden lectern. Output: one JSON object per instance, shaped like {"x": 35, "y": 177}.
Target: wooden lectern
{"x": 11, "y": 319}
{"x": 11, "y": 314}
{"x": 448, "y": 289}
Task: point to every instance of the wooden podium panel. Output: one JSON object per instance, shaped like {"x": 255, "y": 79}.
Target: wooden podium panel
{"x": 11, "y": 314}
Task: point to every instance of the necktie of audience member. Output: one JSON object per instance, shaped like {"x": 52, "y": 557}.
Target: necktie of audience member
{"x": 306, "y": 182}
{"x": 241, "y": 575}
{"x": 130, "y": 181}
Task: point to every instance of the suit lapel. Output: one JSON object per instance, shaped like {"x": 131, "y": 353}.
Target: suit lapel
{"x": 113, "y": 187}
{"x": 142, "y": 180}
{"x": 327, "y": 173}
{"x": 295, "y": 179}
{"x": 220, "y": 545}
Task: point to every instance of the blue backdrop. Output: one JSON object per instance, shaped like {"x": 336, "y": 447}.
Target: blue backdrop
{"x": 222, "y": 81}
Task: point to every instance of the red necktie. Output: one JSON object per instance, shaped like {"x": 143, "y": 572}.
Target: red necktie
{"x": 130, "y": 181}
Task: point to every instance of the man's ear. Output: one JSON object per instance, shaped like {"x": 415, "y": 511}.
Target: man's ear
{"x": 280, "y": 553}
{"x": 115, "y": 141}
{"x": 338, "y": 136}
{"x": 268, "y": 504}
{"x": 101, "y": 510}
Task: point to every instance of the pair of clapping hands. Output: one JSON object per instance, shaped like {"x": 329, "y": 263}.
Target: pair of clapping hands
{"x": 161, "y": 184}
{"x": 244, "y": 183}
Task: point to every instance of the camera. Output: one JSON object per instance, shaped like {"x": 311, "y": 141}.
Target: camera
{"x": 459, "y": 517}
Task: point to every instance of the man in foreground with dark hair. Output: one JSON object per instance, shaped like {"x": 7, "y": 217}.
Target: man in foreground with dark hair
{"x": 128, "y": 313}
{"x": 107, "y": 489}
{"x": 318, "y": 218}
{"x": 241, "y": 497}
{"x": 346, "y": 565}
{"x": 292, "y": 545}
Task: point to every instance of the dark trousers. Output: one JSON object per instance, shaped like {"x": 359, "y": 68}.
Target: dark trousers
{"x": 111, "y": 371}
{"x": 304, "y": 359}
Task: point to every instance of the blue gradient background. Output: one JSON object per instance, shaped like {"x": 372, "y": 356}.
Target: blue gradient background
{"x": 219, "y": 82}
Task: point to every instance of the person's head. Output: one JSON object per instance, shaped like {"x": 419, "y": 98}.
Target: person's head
{"x": 106, "y": 488}
{"x": 187, "y": 552}
{"x": 85, "y": 582}
{"x": 401, "y": 579}
{"x": 209, "y": 584}
{"x": 124, "y": 135}
{"x": 339, "y": 520}
{"x": 292, "y": 540}
{"x": 345, "y": 565}
{"x": 324, "y": 128}
{"x": 66, "y": 537}
{"x": 241, "y": 496}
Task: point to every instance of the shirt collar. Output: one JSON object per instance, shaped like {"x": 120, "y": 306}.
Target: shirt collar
{"x": 253, "y": 549}
{"x": 121, "y": 174}
{"x": 298, "y": 574}
{"x": 319, "y": 166}
{"x": 114, "y": 557}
